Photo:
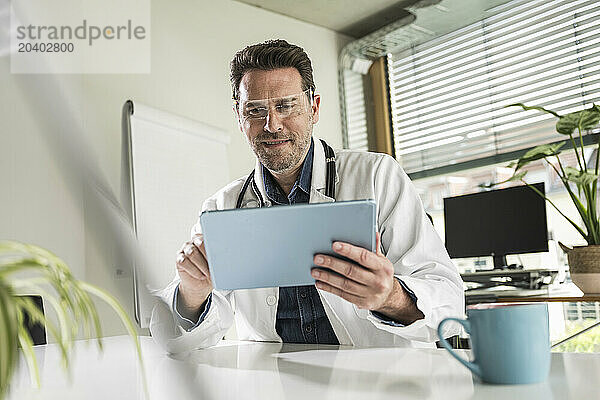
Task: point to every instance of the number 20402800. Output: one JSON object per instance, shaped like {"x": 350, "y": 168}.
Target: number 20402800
{"x": 46, "y": 47}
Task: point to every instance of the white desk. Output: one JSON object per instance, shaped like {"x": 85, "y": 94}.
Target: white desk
{"x": 246, "y": 370}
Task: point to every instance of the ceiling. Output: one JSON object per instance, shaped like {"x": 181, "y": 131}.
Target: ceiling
{"x": 357, "y": 18}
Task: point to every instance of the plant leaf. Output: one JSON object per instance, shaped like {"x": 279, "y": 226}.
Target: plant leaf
{"x": 36, "y": 315}
{"x": 528, "y": 108}
{"x": 537, "y": 153}
{"x": 68, "y": 325}
{"x": 72, "y": 303}
{"x": 566, "y": 125}
{"x": 16, "y": 264}
{"x": 8, "y": 337}
{"x": 518, "y": 176}
{"x": 588, "y": 119}
{"x": 580, "y": 178}
{"x": 27, "y": 346}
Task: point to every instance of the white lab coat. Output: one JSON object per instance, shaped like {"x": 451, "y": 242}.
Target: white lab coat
{"x": 408, "y": 240}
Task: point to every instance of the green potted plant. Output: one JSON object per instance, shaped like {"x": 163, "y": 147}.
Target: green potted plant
{"x": 582, "y": 186}
{"x": 68, "y": 297}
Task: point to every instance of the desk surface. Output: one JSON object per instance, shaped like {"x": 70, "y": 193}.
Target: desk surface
{"x": 561, "y": 293}
{"x": 552, "y": 298}
{"x": 248, "y": 370}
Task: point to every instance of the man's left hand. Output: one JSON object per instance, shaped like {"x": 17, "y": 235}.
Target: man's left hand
{"x": 368, "y": 282}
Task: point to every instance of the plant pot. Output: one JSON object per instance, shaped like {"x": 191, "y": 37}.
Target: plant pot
{"x": 584, "y": 266}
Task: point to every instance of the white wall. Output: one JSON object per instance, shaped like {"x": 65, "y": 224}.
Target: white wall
{"x": 192, "y": 44}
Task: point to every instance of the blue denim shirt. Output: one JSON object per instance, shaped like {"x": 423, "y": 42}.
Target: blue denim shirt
{"x": 301, "y": 317}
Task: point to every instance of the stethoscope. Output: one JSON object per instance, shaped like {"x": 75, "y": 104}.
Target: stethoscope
{"x": 329, "y": 179}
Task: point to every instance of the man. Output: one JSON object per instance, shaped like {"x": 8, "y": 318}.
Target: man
{"x": 393, "y": 297}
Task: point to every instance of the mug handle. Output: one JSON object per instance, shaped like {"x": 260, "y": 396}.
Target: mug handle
{"x": 471, "y": 365}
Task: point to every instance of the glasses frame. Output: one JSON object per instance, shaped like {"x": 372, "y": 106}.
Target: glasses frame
{"x": 310, "y": 93}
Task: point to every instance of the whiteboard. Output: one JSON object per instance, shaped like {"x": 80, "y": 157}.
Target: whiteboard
{"x": 171, "y": 165}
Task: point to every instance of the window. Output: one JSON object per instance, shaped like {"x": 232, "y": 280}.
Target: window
{"x": 448, "y": 95}
{"x": 452, "y": 130}
{"x": 355, "y": 110}
{"x": 432, "y": 191}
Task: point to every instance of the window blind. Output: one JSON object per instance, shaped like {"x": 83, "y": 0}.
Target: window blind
{"x": 448, "y": 95}
{"x": 355, "y": 111}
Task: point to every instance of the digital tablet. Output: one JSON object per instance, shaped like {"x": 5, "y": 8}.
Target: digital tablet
{"x": 275, "y": 246}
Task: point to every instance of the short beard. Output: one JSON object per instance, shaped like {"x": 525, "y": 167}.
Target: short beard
{"x": 283, "y": 163}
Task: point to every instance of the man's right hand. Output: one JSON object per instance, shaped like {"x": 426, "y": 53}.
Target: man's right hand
{"x": 195, "y": 285}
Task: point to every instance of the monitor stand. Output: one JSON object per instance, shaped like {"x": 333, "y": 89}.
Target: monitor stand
{"x": 500, "y": 262}
{"x": 505, "y": 275}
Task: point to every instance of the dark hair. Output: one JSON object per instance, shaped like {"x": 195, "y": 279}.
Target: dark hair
{"x": 269, "y": 55}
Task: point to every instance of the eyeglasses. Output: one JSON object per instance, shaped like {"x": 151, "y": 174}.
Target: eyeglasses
{"x": 284, "y": 107}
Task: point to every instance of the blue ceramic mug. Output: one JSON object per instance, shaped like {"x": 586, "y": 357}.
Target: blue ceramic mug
{"x": 510, "y": 342}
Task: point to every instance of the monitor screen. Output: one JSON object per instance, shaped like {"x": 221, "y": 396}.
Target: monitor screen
{"x": 496, "y": 223}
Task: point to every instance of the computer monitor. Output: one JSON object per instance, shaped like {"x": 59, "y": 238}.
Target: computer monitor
{"x": 496, "y": 223}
